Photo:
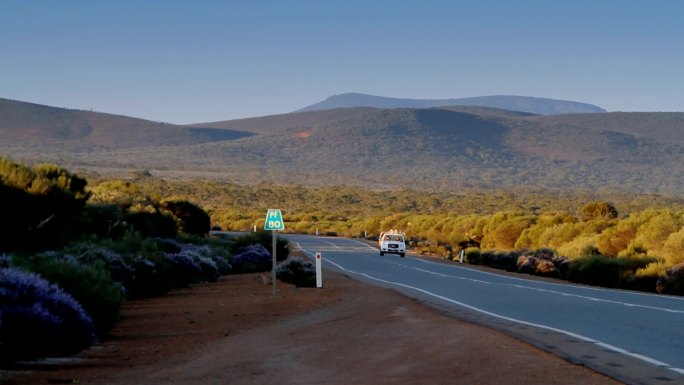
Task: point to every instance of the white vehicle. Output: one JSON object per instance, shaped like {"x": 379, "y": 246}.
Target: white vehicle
{"x": 392, "y": 242}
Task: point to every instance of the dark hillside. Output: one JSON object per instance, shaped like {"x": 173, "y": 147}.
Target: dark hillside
{"x": 29, "y": 124}
{"x": 661, "y": 126}
{"x": 488, "y": 112}
{"x": 434, "y": 149}
{"x": 297, "y": 120}
{"x": 340, "y": 116}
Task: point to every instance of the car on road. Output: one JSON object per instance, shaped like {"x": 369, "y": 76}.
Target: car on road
{"x": 392, "y": 242}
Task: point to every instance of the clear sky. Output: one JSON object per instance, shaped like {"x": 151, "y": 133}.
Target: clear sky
{"x": 199, "y": 61}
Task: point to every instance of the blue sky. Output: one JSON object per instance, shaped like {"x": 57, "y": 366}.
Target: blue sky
{"x": 200, "y": 61}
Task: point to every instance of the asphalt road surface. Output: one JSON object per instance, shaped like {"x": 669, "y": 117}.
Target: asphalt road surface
{"x": 634, "y": 337}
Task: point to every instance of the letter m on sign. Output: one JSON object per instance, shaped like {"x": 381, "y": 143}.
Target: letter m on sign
{"x": 274, "y": 220}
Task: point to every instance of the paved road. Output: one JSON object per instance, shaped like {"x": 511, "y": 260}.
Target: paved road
{"x": 635, "y": 337}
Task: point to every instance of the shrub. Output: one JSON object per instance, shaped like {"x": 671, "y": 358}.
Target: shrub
{"x": 209, "y": 258}
{"x": 297, "y": 271}
{"x": 672, "y": 282}
{"x": 136, "y": 262}
{"x": 89, "y": 283}
{"x": 596, "y": 270}
{"x": 472, "y": 255}
{"x": 40, "y": 207}
{"x": 132, "y": 242}
{"x": 500, "y": 260}
{"x": 183, "y": 269}
{"x": 265, "y": 239}
{"x": 193, "y": 219}
{"x": 214, "y": 250}
{"x": 504, "y": 229}
{"x": 39, "y": 319}
{"x": 251, "y": 259}
{"x": 151, "y": 276}
{"x": 596, "y": 209}
{"x": 581, "y": 246}
{"x": 643, "y": 274}
{"x": 543, "y": 262}
{"x": 140, "y": 275}
{"x": 152, "y": 224}
{"x": 188, "y": 267}
{"x": 673, "y": 248}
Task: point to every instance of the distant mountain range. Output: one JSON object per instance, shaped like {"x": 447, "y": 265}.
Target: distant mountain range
{"x": 441, "y": 148}
{"x": 538, "y": 106}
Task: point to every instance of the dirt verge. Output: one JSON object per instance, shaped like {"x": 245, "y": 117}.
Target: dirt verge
{"x": 236, "y": 332}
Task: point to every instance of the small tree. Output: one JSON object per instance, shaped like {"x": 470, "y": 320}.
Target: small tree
{"x": 598, "y": 209}
{"x": 193, "y": 219}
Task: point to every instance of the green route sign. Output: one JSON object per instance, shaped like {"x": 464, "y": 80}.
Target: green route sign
{"x": 274, "y": 220}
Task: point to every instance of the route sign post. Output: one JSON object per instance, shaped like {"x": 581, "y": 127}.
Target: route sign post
{"x": 274, "y": 222}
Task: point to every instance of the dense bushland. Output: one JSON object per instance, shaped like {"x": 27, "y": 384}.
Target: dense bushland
{"x": 71, "y": 256}
{"x": 642, "y": 236}
{"x": 131, "y": 238}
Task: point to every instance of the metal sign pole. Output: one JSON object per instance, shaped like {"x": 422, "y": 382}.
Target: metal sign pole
{"x": 273, "y": 270}
{"x": 274, "y": 222}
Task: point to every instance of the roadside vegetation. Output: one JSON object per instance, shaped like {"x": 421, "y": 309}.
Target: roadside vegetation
{"x": 71, "y": 255}
{"x": 73, "y": 250}
{"x": 600, "y": 238}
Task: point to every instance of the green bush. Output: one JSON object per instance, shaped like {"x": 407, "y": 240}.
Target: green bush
{"x": 596, "y": 270}
{"x": 500, "y": 260}
{"x": 672, "y": 282}
{"x": 297, "y": 271}
{"x": 40, "y": 207}
{"x": 472, "y": 255}
{"x": 193, "y": 219}
{"x": 152, "y": 224}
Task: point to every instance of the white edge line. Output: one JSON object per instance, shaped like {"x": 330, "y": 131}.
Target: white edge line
{"x": 463, "y": 266}
{"x": 568, "y": 333}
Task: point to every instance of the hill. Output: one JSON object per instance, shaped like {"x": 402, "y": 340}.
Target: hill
{"x": 539, "y": 106}
{"x": 447, "y": 148}
{"x": 436, "y": 148}
{"x": 31, "y": 124}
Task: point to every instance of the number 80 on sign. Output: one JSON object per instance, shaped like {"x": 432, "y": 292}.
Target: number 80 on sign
{"x": 274, "y": 220}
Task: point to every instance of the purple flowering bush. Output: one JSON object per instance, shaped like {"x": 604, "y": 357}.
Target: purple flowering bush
{"x": 38, "y": 319}
{"x": 209, "y": 260}
{"x": 252, "y": 259}
{"x": 183, "y": 269}
{"x": 297, "y": 271}
{"x": 89, "y": 283}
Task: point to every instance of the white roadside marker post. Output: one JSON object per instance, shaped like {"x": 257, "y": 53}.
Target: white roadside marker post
{"x": 319, "y": 271}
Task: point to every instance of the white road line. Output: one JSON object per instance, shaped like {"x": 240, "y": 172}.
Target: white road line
{"x": 482, "y": 311}
{"x": 637, "y": 293}
{"x": 622, "y": 303}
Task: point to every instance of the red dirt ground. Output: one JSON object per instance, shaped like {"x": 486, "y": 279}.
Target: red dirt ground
{"x": 236, "y": 331}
